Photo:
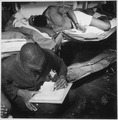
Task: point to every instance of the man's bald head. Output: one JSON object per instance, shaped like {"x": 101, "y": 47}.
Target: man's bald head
{"x": 31, "y": 53}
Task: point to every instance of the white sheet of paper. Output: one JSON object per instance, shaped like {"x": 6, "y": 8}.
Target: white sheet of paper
{"x": 47, "y": 94}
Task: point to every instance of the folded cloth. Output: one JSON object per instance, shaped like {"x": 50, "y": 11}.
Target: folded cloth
{"x": 11, "y": 46}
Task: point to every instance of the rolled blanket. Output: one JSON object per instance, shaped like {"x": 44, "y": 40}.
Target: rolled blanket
{"x": 79, "y": 70}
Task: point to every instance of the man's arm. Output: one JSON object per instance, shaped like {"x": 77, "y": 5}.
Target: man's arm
{"x": 69, "y": 12}
{"x": 9, "y": 89}
{"x": 7, "y": 85}
{"x": 12, "y": 92}
{"x": 61, "y": 69}
{"x": 57, "y": 63}
{"x": 60, "y": 66}
{"x": 26, "y": 96}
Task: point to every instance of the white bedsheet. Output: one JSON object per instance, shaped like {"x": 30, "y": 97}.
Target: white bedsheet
{"x": 91, "y": 34}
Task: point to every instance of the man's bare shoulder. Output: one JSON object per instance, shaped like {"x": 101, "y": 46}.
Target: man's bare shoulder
{"x": 50, "y": 8}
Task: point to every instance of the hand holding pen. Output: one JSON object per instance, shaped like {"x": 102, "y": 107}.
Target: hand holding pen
{"x": 60, "y": 83}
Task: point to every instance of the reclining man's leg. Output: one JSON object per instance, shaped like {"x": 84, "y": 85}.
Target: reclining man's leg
{"x": 100, "y": 24}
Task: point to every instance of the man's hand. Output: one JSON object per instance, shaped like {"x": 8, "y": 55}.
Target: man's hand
{"x": 4, "y": 111}
{"x": 60, "y": 83}
{"x": 27, "y": 95}
{"x": 81, "y": 28}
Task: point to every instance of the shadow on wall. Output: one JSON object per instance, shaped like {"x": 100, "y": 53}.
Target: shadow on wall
{"x": 37, "y": 8}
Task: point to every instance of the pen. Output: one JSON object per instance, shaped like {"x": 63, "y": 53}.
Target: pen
{"x": 54, "y": 88}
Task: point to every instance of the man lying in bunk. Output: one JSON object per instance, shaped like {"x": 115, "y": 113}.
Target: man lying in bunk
{"x": 60, "y": 18}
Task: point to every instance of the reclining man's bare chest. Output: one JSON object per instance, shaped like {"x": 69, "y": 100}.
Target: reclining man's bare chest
{"x": 62, "y": 23}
